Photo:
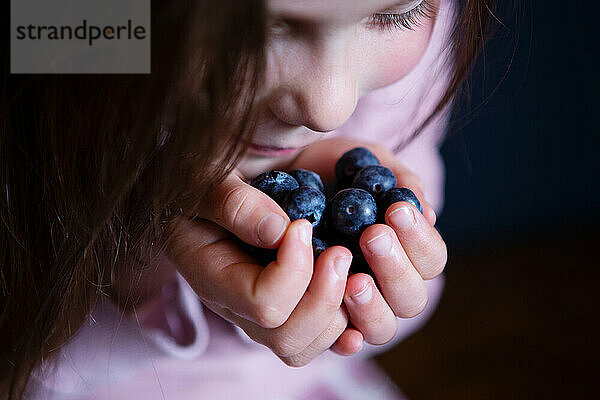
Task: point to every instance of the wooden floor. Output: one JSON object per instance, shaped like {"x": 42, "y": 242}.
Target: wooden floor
{"x": 515, "y": 322}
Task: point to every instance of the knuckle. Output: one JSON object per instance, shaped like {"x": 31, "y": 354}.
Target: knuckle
{"x": 338, "y": 325}
{"x": 331, "y": 304}
{"x": 269, "y": 317}
{"x": 328, "y": 302}
{"x": 285, "y": 347}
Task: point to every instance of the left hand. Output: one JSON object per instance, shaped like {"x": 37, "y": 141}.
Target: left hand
{"x": 402, "y": 254}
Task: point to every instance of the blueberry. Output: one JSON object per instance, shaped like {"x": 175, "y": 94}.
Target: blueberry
{"x": 394, "y": 195}
{"x": 351, "y": 162}
{"x": 351, "y": 211}
{"x": 306, "y": 203}
{"x": 308, "y": 178}
{"x": 375, "y": 179}
{"x": 319, "y": 246}
{"x": 275, "y": 183}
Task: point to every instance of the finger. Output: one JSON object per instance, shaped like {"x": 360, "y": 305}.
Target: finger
{"x": 245, "y": 211}
{"x": 323, "y": 342}
{"x": 350, "y": 342}
{"x": 420, "y": 240}
{"x": 406, "y": 178}
{"x": 220, "y": 272}
{"x": 368, "y": 310}
{"x": 280, "y": 286}
{"x": 400, "y": 283}
{"x": 429, "y": 213}
{"x": 317, "y": 307}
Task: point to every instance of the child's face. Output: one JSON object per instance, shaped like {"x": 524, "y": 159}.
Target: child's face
{"x": 322, "y": 57}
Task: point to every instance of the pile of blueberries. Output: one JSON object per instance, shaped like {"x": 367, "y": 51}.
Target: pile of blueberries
{"x": 340, "y": 211}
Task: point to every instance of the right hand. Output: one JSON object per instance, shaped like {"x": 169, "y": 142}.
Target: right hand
{"x": 290, "y": 306}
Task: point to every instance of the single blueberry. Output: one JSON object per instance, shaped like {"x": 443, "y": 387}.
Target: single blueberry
{"x": 351, "y": 211}
{"x": 351, "y": 162}
{"x": 308, "y": 178}
{"x": 375, "y": 179}
{"x": 394, "y": 195}
{"x": 275, "y": 184}
{"x": 319, "y": 246}
{"x": 304, "y": 203}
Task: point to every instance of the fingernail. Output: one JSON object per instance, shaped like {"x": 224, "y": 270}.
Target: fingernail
{"x": 271, "y": 228}
{"x": 380, "y": 245}
{"x": 363, "y": 296}
{"x": 402, "y": 218}
{"x": 305, "y": 234}
{"x": 341, "y": 265}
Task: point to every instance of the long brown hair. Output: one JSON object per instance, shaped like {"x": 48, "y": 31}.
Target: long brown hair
{"x": 89, "y": 174}
{"x": 91, "y": 165}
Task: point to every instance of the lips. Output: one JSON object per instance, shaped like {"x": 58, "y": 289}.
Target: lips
{"x": 271, "y": 151}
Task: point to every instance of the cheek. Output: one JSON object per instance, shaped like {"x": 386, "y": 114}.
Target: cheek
{"x": 397, "y": 55}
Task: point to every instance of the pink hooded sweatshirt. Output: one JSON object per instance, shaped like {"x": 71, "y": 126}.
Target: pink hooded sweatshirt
{"x": 117, "y": 357}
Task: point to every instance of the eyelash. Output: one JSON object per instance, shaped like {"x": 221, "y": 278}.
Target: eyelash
{"x": 407, "y": 20}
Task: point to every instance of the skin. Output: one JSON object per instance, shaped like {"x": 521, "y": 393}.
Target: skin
{"x": 322, "y": 57}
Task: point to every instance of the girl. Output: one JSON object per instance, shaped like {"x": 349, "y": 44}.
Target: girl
{"x": 119, "y": 278}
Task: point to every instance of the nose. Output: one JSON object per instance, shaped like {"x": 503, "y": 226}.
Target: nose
{"x": 318, "y": 90}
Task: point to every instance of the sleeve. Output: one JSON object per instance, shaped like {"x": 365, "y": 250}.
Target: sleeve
{"x": 112, "y": 347}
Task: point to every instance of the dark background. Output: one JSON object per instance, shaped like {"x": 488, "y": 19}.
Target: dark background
{"x": 528, "y": 160}
{"x": 517, "y": 318}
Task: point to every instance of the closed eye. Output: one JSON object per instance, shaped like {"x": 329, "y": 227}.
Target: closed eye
{"x": 408, "y": 20}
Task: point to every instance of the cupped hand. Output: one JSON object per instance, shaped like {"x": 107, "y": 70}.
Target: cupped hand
{"x": 291, "y": 306}
{"x": 402, "y": 253}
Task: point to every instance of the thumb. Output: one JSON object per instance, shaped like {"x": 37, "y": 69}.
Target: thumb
{"x": 246, "y": 212}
